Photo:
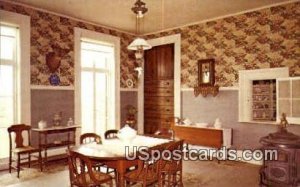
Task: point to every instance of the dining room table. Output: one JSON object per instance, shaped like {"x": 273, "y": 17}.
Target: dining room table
{"x": 112, "y": 153}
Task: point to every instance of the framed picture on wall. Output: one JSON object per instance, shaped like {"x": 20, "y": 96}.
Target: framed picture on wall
{"x": 206, "y": 72}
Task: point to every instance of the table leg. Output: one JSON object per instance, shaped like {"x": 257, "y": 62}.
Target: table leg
{"x": 121, "y": 180}
{"x": 46, "y": 143}
{"x": 122, "y": 166}
{"x": 69, "y": 141}
{"x": 119, "y": 165}
{"x": 41, "y": 148}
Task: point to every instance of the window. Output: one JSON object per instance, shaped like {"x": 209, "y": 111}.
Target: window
{"x": 97, "y": 96}
{"x": 256, "y": 94}
{"x": 288, "y": 98}
{"x": 9, "y": 103}
{"x": 14, "y": 73}
{"x": 96, "y": 60}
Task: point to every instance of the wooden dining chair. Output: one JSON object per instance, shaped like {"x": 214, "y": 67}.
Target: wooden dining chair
{"x": 171, "y": 168}
{"x": 147, "y": 172}
{"x": 89, "y": 138}
{"x": 112, "y": 133}
{"x": 164, "y": 133}
{"x": 82, "y": 174}
{"x": 19, "y": 148}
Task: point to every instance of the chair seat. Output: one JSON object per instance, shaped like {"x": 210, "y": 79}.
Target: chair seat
{"x": 98, "y": 175}
{"x": 25, "y": 149}
{"x": 169, "y": 167}
{"x": 138, "y": 176}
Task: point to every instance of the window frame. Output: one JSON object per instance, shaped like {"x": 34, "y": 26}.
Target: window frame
{"x": 291, "y": 119}
{"x": 23, "y": 59}
{"x": 245, "y": 89}
{"x": 111, "y": 40}
{"x": 15, "y": 66}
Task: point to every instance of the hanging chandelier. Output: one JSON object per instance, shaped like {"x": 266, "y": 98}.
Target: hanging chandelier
{"x": 139, "y": 44}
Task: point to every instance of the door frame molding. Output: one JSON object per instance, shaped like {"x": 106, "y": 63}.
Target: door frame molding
{"x": 172, "y": 39}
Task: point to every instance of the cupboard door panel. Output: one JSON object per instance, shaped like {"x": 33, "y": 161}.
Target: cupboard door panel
{"x": 150, "y": 65}
{"x": 165, "y": 62}
{"x": 150, "y": 128}
{"x": 159, "y": 88}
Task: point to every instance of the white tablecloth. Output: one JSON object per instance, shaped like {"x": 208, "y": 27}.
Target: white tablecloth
{"x": 116, "y": 146}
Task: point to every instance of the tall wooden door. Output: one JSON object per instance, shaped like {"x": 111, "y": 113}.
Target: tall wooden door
{"x": 158, "y": 88}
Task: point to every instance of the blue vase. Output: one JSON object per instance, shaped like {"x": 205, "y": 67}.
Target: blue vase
{"x": 54, "y": 79}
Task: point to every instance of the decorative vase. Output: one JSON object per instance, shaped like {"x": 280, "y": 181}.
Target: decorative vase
{"x": 52, "y": 61}
{"x": 218, "y": 124}
{"x": 54, "y": 79}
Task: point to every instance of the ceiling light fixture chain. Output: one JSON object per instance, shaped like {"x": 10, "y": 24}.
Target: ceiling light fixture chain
{"x": 139, "y": 44}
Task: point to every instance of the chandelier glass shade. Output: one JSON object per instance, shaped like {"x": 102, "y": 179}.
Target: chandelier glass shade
{"x": 139, "y": 44}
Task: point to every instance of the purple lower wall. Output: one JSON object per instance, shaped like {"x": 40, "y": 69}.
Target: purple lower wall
{"x": 46, "y": 103}
{"x": 225, "y": 106}
{"x": 127, "y": 98}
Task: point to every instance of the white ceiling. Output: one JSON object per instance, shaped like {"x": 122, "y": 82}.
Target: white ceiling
{"x": 161, "y": 15}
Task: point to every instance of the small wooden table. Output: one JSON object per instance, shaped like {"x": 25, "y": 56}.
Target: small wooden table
{"x": 44, "y": 145}
{"x": 112, "y": 153}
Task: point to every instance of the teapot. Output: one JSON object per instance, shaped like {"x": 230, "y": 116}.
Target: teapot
{"x": 126, "y": 134}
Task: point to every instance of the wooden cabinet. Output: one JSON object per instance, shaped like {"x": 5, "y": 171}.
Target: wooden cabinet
{"x": 264, "y": 100}
{"x": 159, "y": 88}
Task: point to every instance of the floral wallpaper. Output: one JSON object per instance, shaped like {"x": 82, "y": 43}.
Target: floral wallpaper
{"x": 52, "y": 33}
{"x": 266, "y": 38}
